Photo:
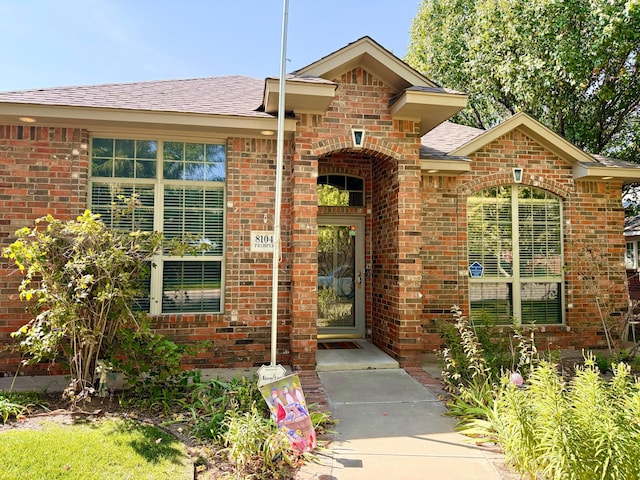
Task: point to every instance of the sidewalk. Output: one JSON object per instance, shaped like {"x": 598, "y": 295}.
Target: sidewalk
{"x": 391, "y": 426}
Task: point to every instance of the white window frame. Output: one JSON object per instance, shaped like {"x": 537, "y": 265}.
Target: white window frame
{"x": 517, "y": 281}
{"x": 159, "y": 183}
{"x": 634, "y": 246}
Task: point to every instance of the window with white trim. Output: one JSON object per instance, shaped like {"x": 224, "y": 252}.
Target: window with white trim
{"x": 515, "y": 256}
{"x": 180, "y": 191}
{"x": 631, "y": 257}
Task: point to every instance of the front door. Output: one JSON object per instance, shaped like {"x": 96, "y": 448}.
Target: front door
{"x": 341, "y": 282}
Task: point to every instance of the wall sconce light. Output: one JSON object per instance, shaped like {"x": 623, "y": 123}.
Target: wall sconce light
{"x": 517, "y": 175}
{"x": 357, "y": 135}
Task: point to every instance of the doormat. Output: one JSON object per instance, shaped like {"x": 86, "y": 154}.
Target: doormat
{"x": 338, "y": 345}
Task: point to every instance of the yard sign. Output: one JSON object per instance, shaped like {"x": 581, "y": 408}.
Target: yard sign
{"x": 289, "y": 410}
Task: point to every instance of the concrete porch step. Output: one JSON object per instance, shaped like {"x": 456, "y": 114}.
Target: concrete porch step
{"x": 369, "y": 357}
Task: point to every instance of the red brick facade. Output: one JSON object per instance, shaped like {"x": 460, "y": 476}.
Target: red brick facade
{"x": 42, "y": 170}
{"x": 415, "y": 222}
{"x": 594, "y": 244}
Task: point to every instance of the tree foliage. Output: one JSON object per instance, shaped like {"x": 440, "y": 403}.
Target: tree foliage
{"x": 572, "y": 64}
{"x": 83, "y": 279}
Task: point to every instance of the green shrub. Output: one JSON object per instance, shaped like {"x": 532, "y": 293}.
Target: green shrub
{"x": 473, "y": 364}
{"x": 255, "y": 445}
{"x": 209, "y": 402}
{"x": 581, "y": 430}
{"x": 603, "y": 362}
{"x": 80, "y": 278}
{"x": 475, "y": 353}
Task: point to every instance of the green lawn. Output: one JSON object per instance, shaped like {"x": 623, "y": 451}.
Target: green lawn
{"x": 104, "y": 449}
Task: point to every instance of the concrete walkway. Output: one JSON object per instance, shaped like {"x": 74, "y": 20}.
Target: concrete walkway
{"x": 390, "y": 421}
{"x": 392, "y": 427}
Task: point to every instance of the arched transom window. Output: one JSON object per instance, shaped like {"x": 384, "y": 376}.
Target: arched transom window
{"x": 340, "y": 191}
{"x": 515, "y": 256}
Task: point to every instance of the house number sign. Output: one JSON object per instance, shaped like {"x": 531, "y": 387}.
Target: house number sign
{"x": 262, "y": 241}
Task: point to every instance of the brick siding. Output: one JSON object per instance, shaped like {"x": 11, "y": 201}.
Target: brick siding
{"x": 415, "y": 239}
{"x": 42, "y": 170}
{"x": 594, "y": 244}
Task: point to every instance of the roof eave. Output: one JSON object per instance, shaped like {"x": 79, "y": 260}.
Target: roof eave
{"x": 445, "y": 166}
{"x": 103, "y": 119}
{"x": 429, "y": 108}
{"x": 534, "y": 129}
{"x": 373, "y": 57}
{"x": 600, "y": 172}
{"x": 300, "y": 96}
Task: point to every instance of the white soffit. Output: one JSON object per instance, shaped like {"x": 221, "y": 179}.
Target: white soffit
{"x": 430, "y": 108}
{"x": 117, "y": 119}
{"x": 372, "y": 57}
{"x": 300, "y": 96}
{"x": 600, "y": 172}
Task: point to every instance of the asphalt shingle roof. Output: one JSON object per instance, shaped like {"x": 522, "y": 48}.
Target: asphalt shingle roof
{"x": 230, "y": 95}
{"x": 446, "y": 137}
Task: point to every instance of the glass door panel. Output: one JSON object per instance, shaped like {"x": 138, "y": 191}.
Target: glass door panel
{"x": 336, "y": 279}
{"x": 340, "y": 279}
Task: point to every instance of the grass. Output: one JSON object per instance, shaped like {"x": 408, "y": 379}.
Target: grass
{"x": 101, "y": 449}
{"x": 198, "y": 412}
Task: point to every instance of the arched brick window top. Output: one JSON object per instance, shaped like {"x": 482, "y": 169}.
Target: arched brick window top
{"x": 560, "y": 189}
{"x": 337, "y": 190}
{"x": 373, "y": 147}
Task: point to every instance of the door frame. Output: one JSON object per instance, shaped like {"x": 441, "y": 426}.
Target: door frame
{"x": 358, "y": 331}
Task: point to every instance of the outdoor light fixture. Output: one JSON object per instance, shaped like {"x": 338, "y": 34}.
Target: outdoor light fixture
{"x": 267, "y": 133}
{"x": 357, "y": 134}
{"x": 517, "y": 175}
{"x": 27, "y": 119}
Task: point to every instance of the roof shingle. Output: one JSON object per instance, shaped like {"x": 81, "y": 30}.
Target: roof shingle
{"x": 230, "y": 95}
{"x": 446, "y": 137}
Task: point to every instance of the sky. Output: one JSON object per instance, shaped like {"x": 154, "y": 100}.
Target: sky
{"x": 50, "y": 43}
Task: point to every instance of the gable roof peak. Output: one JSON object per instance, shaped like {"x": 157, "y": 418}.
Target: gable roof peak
{"x": 534, "y": 129}
{"x": 369, "y": 54}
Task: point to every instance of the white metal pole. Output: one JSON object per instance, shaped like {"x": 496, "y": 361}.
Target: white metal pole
{"x": 278, "y": 191}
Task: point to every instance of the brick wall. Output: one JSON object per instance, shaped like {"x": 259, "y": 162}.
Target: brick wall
{"x": 391, "y": 149}
{"x": 45, "y": 170}
{"x": 415, "y": 230}
{"x": 593, "y": 240}
{"x": 42, "y": 170}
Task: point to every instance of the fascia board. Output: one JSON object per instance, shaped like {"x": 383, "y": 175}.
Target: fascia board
{"x": 429, "y": 108}
{"x": 600, "y": 173}
{"x": 100, "y": 118}
{"x": 299, "y": 96}
{"x": 443, "y": 166}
